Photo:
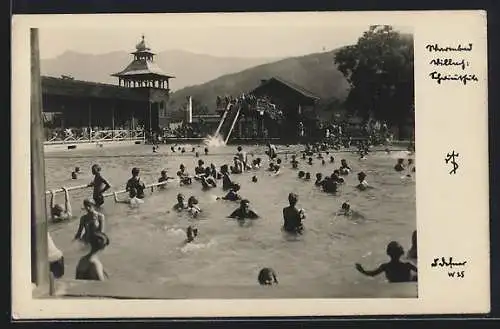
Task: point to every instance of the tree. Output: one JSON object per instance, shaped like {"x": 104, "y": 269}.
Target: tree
{"x": 379, "y": 68}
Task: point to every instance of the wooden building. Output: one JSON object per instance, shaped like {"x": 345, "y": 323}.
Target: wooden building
{"x": 139, "y": 99}
{"x": 296, "y": 104}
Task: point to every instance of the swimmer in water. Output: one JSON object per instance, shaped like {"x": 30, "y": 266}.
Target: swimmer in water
{"x": 132, "y": 200}
{"x": 192, "y": 207}
{"x": 395, "y": 270}
{"x": 399, "y": 165}
{"x": 271, "y": 151}
{"x": 344, "y": 167}
{"x": 227, "y": 183}
{"x": 320, "y": 156}
{"x": 254, "y": 179}
{"x": 243, "y": 157}
{"x": 135, "y": 183}
{"x": 163, "y": 178}
{"x": 206, "y": 150}
{"x": 347, "y": 211}
{"x": 57, "y": 213}
{"x": 180, "y": 205}
{"x": 310, "y": 161}
{"x": 292, "y": 217}
{"x": 90, "y": 223}
{"x": 172, "y": 149}
{"x": 363, "y": 184}
{"x": 207, "y": 181}
{"x": 191, "y": 233}
{"x": 89, "y": 266}
{"x": 183, "y": 150}
{"x": 232, "y": 195}
{"x": 412, "y": 253}
{"x": 244, "y": 211}
{"x": 294, "y": 162}
{"x": 329, "y": 185}
{"x": 267, "y": 276}
{"x": 154, "y": 149}
{"x": 100, "y": 185}
{"x": 193, "y": 149}
{"x": 301, "y": 174}
{"x": 332, "y": 159}
{"x": 319, "y": 179}
{"x": 256, "y": 163}
{"x": 303, "y": 156}
{"x": 184, "y": 175}
{"x": 74, "y": 174}
{"x": 200, "y": 169}
{"x": 307, "y": 176}
{"x": 237, "y": 168}
{"x": 336, "y": 177}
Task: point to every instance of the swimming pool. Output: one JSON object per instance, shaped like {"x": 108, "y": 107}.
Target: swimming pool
{"x": 147, "y": 243}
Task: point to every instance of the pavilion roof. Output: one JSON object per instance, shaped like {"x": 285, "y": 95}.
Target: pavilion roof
{"x": 140, "y": 67}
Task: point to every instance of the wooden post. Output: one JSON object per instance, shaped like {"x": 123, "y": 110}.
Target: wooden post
{"x": 113, "y": 121}
{"x": 39, "y": 247}
{"x": 90, "y": 120}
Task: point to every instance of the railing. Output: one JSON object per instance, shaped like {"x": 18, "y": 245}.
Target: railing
{"x": 81, "y": 187}
{"x": 99, "y": 136}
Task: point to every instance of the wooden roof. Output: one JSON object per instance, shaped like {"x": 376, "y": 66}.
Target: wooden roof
{"x": 294, "y": 87}
{"x": 86, "y": 89}
{"x": 142, "y": 67}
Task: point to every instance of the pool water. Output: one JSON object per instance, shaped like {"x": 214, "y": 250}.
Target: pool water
{"x": 147, "y": 243}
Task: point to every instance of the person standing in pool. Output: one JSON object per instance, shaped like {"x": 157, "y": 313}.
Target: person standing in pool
{"x": 90, "y": 223}
{"x": 395, "y": 270}
{"x": 244, "y": 211}
{"x": 292, "y": 217}
{"x": 227, "y": 183}
{"x": 243, "y": 157}
{"x": 100, "y": 185}
{"x": 135, "y": 183}
{"x": 271, "y": 151}
{"x": 363, "y": 184}
{"x": 57, "y": 213}
{"x": 90, "y": 267}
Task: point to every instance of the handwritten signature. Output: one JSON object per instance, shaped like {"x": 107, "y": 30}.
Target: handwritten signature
{"x": 464, "y": 78}
{"x": 444, "y": 263}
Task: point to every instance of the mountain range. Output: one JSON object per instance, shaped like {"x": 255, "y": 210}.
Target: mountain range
{"x": 204, "y": 77}
{"x": 316, "y": 73}
{"x": 188, "y": 68}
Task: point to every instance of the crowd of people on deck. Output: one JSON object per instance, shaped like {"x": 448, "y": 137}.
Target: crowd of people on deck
{"x": 91, "y": 229}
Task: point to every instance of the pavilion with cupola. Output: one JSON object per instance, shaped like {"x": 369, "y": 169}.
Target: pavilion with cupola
{"x": 143, "y": 71}
{"x": 139, "y": 100}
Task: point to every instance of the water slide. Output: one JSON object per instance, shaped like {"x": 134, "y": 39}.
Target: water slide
{"x": 228, "y": 121}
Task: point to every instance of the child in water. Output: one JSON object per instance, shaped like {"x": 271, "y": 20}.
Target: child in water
{"x": 180, "y": 205}
{"x": 191, "y": 233}
{"x": 399, "y": 165}
{"x": 395, "y": 270}
{"x": 363, "y": 184}
{"x": 319, "y": 179}
{"x": 57, "y": 213}
{"x": 232, "y": 195}
{"x": 193, "y": 207}
{"x": 307, "y": 176}
{"x": 267, "y": 276}
{"x": 344, "y": 167}
{"x": 310, "y": 161}
{"x": 100, "y": 185}
{"x": 301, "y": 174}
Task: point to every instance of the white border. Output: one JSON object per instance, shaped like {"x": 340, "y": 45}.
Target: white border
{"x": 452, "y": 210}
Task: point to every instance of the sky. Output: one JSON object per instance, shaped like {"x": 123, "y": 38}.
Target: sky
{"x": 222, "y": 41}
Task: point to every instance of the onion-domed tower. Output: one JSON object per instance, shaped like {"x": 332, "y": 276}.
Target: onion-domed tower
{"x": 146, "y": 77}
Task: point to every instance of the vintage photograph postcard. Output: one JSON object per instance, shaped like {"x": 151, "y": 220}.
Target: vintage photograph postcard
{"x": 250, "y": 164}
